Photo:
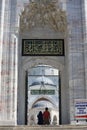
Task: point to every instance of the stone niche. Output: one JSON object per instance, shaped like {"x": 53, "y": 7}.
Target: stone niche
{"x": 43, "y": 20}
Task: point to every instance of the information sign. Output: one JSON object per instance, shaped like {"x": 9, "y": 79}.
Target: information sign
{"x": 81, "y": 109}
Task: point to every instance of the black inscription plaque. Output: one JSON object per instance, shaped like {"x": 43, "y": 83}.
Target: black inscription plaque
{"x": 42, "y": 47}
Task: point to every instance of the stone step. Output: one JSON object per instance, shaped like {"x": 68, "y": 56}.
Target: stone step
{"x": 60, "y": 127}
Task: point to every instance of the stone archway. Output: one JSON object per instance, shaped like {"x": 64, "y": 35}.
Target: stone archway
{"x": 39, "y": 98}
{"x": 31, "y": 62}
{"x": 45, "y": 29}
{"x": 34, "y": 111}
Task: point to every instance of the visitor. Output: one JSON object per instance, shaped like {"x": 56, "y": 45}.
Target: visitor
{"x": 40, "y": 118}
{"x": 46, "y": 117}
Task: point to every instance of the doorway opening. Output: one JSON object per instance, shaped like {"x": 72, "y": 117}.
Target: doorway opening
{"x": 42, "y": 90}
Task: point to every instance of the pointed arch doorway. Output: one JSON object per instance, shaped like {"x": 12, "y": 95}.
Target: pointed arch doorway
{"x": 45, "y": 30}
{"x": 31, "y": 62}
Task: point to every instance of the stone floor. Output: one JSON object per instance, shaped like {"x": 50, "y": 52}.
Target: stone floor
{"x": 60, "y": 127}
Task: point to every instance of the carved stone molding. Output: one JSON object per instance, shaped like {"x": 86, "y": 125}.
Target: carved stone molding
{"x": 39, "y": 14}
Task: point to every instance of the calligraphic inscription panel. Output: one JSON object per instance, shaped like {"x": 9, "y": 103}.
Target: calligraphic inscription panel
{"x": 39, "y": 92}
{"x": 42, "y": 47}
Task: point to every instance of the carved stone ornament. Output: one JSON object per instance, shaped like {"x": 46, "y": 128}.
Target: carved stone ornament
{"x": 41, "y": 13}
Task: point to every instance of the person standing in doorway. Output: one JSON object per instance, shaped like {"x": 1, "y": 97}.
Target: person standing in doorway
{"x": 40, "y": 118}
{"x": 46, "y": 117}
